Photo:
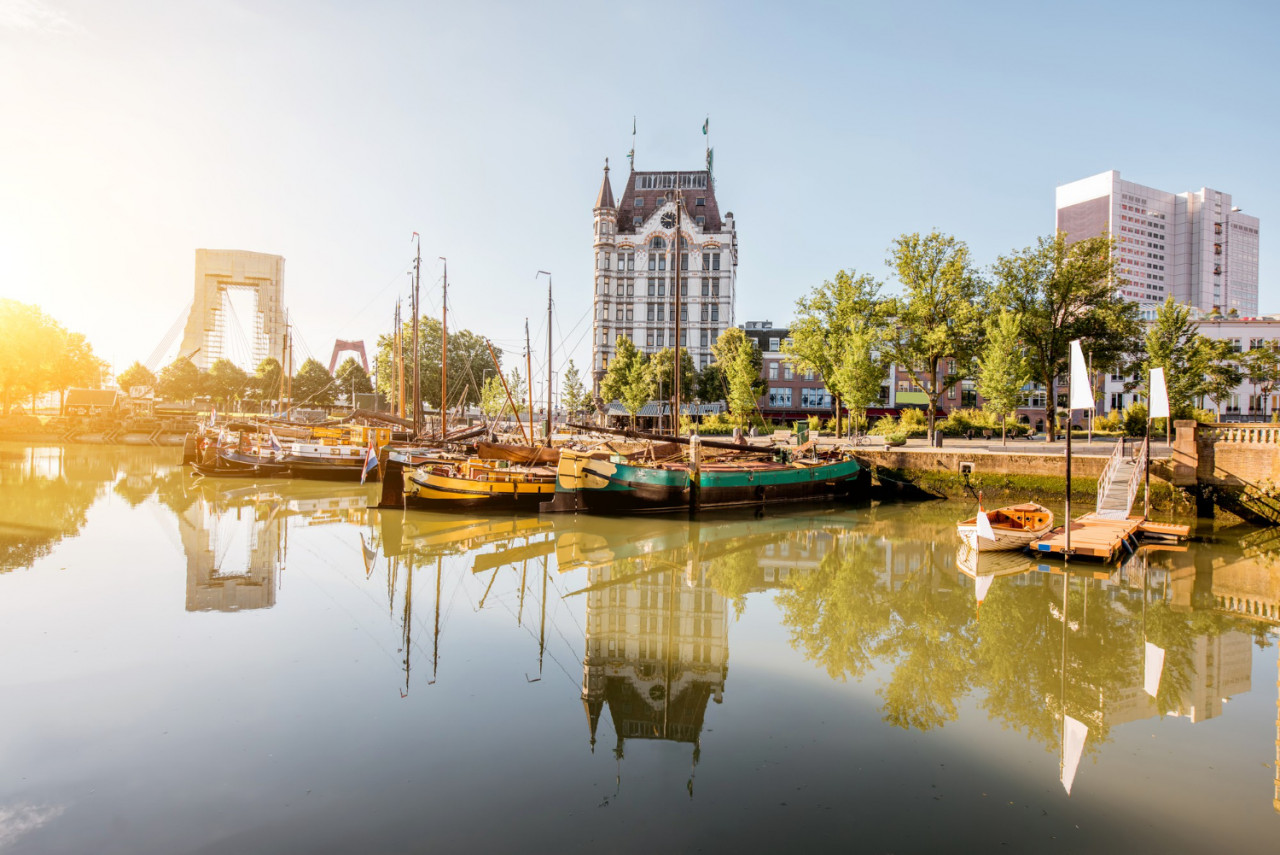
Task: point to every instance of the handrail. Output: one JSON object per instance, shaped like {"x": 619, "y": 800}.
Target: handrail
{"x": 1105, "y": 478}
{"x": 1137, "y": 476}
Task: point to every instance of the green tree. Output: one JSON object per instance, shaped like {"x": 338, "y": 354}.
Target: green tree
{"x": 313, "y": 385}
{"x": 468, "y": 358}
{"x": 1222, "y": 374}
{"x": 662, "y": 365}
{"x": 493, "y": 398}
{"x": 76, "y": 365}
{"x": 351, "y": 378}
{"x": 519, "y": 389}
{"x": 823, "y": 324}
{"x": 573, "y": 394}
{"x": 1002, "y": 368}
{"x": 226, "y": 382}
{"x": 264, "y": 385}
{"x": 179, "y": 380}
{"x": 1262, "y": 365}
{"x": 742, "y": 363}
{"x": 136, "y": 374}
{"x": 1062, "y": 292}
{"x": 712, "y": 385}
{"x": 857, "y": 372}
{"x": 619, "y": 369}
{"x": 1173, "y": 342}
{"x": 938, "y": 317}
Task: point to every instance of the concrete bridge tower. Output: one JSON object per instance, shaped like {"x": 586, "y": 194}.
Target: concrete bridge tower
{"x": 219, "y": 271}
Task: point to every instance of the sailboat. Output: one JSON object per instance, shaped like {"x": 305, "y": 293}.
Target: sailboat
{"x": 499, "y": 477}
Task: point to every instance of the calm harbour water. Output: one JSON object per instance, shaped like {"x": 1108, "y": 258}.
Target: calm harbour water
{"x": 223, "y": 667}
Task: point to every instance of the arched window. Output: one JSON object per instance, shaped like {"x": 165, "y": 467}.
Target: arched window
{"x": 657, "y": 243}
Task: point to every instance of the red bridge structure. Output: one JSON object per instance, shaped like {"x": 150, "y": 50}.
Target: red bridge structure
{"x": 343, "y": 346}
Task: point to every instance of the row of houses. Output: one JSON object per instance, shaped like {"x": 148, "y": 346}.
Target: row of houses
{"x": 791, "y": 394}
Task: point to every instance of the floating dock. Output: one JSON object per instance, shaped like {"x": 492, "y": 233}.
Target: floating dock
{"x": 1094, "y": 536}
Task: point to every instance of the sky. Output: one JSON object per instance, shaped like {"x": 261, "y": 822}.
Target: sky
{"x": 133, "y": 133}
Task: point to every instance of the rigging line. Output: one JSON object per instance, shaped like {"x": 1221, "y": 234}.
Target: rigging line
{"x": 376, "y": 296}
{"x": 528, "y": 629}
{"x": 166, "y": 342}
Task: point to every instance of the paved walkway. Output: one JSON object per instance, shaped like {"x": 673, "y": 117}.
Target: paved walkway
{"x": 1100, "y": 447}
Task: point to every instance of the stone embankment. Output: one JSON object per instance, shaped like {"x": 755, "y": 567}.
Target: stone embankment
{"x": 96, "y": 430}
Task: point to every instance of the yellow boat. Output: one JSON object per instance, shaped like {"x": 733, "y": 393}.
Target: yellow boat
{"x": 475, "y": 484}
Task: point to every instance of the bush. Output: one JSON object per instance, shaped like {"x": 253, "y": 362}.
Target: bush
{"x": 1135, "y": 420}
{"x": 1208, "y": 417}
{"x": 884, "y": 426}
{"x": 1111, "y": 422}
{"x": 913, "y": 420}
{"x": 815, "y": 424}
{"x": 960, "y": 422}
{"x": 896, "y": 439}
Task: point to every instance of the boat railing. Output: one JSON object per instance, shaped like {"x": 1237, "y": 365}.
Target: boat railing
{"x": 1139, "y": 470}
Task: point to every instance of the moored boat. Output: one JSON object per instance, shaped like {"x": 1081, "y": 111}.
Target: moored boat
{"x": 477, "y": 484}
{"x": 1014, "y": 527}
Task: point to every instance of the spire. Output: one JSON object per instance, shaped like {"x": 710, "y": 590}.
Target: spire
{"x": 605, "y": 199}
{"x": 593, "y": 708}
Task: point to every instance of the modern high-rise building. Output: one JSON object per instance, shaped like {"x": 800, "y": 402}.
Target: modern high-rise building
{"x": 636, "y": 253}
{"x": 1193, "y": 246}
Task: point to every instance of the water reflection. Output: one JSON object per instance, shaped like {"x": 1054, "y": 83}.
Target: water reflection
{"x": 878, "y": 596}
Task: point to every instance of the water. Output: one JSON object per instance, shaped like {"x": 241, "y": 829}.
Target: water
{"x": 236, "y": 668}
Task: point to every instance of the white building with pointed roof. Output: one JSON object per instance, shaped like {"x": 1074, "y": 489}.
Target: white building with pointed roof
{"x": 636, "y": 253}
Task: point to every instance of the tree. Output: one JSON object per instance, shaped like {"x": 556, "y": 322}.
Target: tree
{"x": 352, "y": 379}
{"x": 712, "y": 385}
{"x": 313, "y": 385}
{"x": 136, "y": 374}
{"x": 226, "y": 382}
{"x": 264, "y": 385}
{"x": 468, "y": 359}
{"x": 857, "y": 372}
{"x": 38, "y": 355}
{"x": 573, "y": 394}
{"x": 824, "y": 319}
{"x": 493, "y": 398}
{"x": 639, "y": 387}
{"x": 76, "y": 365}
{"x": 1002, "y": 368}
{"x": 619, "y": 369}
{"x": 1222, "y": 375}
{"x": 939, "y": 315}
{"x": 662, "y": 365}
{"x": 1262, "y": 365}
{"x": 1173, "y": 342}
{"x": 741, "y": 362}
{"x": 1062, "y": 292}
{"x": 179, "y": 380}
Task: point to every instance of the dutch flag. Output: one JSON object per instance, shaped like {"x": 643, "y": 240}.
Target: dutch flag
{"x": 370, "y": 461}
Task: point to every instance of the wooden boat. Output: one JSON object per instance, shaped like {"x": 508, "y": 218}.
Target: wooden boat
{"x": 476, "y": 484}
{"x": 258, "y": 470}
{"x": 1015, "y": 527}
{"x": 592, "y": 482}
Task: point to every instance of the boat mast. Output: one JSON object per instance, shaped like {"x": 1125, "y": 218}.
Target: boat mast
{"x": 548, "y": 434}
{"x": 677, "y": 257}
{"x": 444, "y": 349}
{"x": 399, "y": 339}
{"x": 417, "y": 384}
{"x": 528, "y": 359}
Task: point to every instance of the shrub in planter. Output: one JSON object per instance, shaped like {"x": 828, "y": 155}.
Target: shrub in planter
{"x": 896, "y": 439}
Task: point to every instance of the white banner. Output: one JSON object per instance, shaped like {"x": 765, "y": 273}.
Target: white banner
{"x": 1159, "y": 397}
{"x": 1075, "y": 733}
{"x": 984, "y": 527}
{"x": 1154, "y": 668}
{"x": 1081, "y": 388}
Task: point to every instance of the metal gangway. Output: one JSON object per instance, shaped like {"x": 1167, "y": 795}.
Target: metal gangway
{"x": 1120, "y": 479}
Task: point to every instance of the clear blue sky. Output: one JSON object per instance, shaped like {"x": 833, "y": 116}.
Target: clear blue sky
{"x": 329, "y": 132}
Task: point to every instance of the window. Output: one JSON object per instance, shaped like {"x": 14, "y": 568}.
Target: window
{"x": 604, "y": 335}
{"x": 706, "y": 261}
{"x": 661, "y": 313}
{"x": 684, "y": 261}
{"x": 815, "y": 398}
{"x": 631, "y": 289}
{"x": 618, "y": 315}
{"x": 703, "y": 339}
{"x": 662, "y": 286}
{"x": 808, "y": 375}
{"x": 715, "y": 287}
{"x": 684, "y": 336}
{"x": 619, "y": 288}
{"x": 715, "y": 313}
{"x": 629, "y": 315}
{"x": 706, "y": 313}
{"x": 773, "y": 371}
{"x": 904, "y": 386}
{"x": 684, "y": 289}
{"x": 773, "y": 345}
{"x": 653, "y": 287}
{"x": 653, "y": 261}
{"x": 649, "y": 338}
{"x": 661, "y": 343}
{"x": 701, "y": 221}
{"x": 700, "y": 202}
{"x": 951, "y": 366}
{"x": 780, "y": 397}
{"x": 631, "y": 261}
{"x": 786, "y": 371}
{"x": 639, "y": 201}
{"x": 1117, "y": 401}
{"x": 662, "y": 261}
{"x": 662, "y": 200}
{"x": 706, "y": 288}
{"x": 649, "y": 317}
{"x": 715, "y": 261}
{"x": 636, "y": 221}
{"x": 684, "y": 314}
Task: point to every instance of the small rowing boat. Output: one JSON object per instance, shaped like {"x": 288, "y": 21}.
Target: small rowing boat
{"x": 1013, "y": 527}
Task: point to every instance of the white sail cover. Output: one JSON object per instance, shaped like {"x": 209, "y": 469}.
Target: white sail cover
{"x": 1081, "y": 388}
{"x": 1154, "y": 668}
{"x": 984, "y": 527}
{"x": 1159, "y": 395}
{"x": 981, "y": 585}
{"x": 1074, "y": 735}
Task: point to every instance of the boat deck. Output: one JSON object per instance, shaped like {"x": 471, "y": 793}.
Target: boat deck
{"x": 1093, "y": 536}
